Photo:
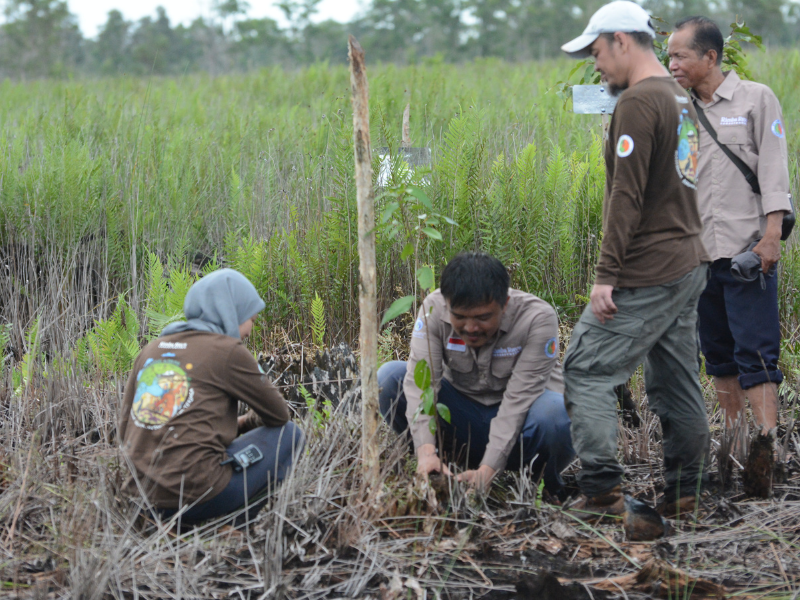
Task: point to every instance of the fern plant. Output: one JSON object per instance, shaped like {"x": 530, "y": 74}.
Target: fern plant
{"x": 318, "y": 321}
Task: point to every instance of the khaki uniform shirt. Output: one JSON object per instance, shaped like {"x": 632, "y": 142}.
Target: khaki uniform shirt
{"x": 513, "y": 369}
{"x": 747, "y": 117}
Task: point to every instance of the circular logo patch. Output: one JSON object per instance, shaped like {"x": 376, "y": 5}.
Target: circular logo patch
{"x": 551, "y": 347}
{"x": 624, "y": 146}
{"x": 777, "y": 128}
{"x": 418, "y": 325}
{"x": 162, "y": 388}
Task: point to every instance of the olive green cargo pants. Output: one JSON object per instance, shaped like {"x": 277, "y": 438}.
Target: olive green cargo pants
{"x": 658, "y": 326}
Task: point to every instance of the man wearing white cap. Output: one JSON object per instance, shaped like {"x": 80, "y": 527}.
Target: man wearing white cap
{"x": 650, "y": 274}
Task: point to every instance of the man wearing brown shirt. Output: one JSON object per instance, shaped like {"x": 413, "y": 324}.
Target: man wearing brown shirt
{"x": 493, "y": 352}
{"x": 739, "y": 325}
{"x": 651, "y": 271}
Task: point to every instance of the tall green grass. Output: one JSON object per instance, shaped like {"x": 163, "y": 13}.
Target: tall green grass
{"x": 256, "y": 171}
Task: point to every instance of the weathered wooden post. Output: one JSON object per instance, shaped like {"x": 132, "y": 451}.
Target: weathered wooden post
{"x": 367, "y": 297}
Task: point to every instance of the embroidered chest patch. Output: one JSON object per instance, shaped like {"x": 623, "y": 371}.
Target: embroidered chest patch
{"x": 456, "y": 344}
{"x": 506, "y": 352}
{"x": 732, "y": 121}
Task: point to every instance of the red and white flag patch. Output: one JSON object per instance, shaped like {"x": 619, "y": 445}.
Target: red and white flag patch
{"x": 456, "y": 344}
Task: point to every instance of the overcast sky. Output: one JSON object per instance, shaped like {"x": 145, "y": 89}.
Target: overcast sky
{"x": 92, "y": 14}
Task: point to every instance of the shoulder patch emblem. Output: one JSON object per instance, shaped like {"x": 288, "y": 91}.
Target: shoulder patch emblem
{"x": 688, "y": 151}
{"x": 551, "y": 348}
{"x": 777, "y": 128}
{"x": 624, "y": 146}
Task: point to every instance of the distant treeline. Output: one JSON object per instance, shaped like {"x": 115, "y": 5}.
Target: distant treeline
{"x": 41, "y": 38}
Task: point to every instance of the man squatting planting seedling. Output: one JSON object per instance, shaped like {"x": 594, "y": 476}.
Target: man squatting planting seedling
{"x": 739, "y": 321}
{"x": 179, "y": 426}
{"x": 650, "y": 274}
{"x": 494, "y": 358}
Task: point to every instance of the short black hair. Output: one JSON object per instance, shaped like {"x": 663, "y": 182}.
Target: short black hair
{"x": 642, "y": 38}
{"x": 706, "y": 36}
{"x": 474, "y": 278}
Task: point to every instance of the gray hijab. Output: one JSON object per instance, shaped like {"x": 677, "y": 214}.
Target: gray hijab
{"x": 218, "y": 303}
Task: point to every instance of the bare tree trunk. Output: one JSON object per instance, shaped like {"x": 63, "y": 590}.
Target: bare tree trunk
{"x": 406, "y": 127}
{"x": 367, "y": 298}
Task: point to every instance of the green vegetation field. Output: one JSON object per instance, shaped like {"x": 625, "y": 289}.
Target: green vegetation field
{"x": 113, "y": 192}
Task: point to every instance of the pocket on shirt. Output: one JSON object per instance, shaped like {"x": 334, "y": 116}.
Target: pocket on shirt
{"x": 732, "y": 136}
{"x": 460, "y": 361}
{"x": 503, "y": 367}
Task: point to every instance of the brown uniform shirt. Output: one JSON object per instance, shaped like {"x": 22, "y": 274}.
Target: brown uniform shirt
{"x": 179, "y": 414}
{"x": 513, "y": 369}
{"x": 651, "y": 224}
{"x": 747, "y": 118}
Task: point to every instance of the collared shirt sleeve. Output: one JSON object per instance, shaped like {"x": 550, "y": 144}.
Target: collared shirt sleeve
{"x": 633, "y": 136}
{"x": 528, "y": 380}
{"x": 769, "y": 132}
{"x": 426, "y": 330}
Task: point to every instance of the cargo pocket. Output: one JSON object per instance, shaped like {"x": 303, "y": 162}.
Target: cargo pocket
{"x": 603, "y": 348}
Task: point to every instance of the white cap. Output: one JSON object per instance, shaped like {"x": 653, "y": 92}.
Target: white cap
{"x": 621, "y": 15}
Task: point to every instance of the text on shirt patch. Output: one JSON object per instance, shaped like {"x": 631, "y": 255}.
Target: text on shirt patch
{"x": 732, "y": 121}
{"x": 172, "y": 345}
{"x": 777, "y": 128}
{"x": 624, "y": 146}
{"x": 506, "y": 352}
{"x": 682, "y": 99}
{"x": 456, "y": 344}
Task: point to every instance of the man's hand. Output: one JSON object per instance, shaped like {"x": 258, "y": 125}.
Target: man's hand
{"x": 769, "y": 248}
{"x": 428, "y": 462}
{"x": 603, "y": 306}
{"x": 479, "y": 478}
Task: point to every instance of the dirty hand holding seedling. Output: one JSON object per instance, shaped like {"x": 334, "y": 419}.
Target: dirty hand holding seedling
{"x": 428, "y": 462}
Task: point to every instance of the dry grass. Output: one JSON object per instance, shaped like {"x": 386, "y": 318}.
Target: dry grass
{"x": 65, "y": 532}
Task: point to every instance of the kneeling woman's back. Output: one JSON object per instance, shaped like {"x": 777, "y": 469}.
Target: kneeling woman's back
{"x": 179, "y": 416}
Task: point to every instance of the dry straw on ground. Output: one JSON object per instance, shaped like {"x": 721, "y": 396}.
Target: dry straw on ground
{"x": 66, "y": 533}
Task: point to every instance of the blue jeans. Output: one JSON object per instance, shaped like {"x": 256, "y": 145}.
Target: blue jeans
{"x": 545, "y": 442}
{"x": 739, "y": 325}
{"x": 279, "y": 445}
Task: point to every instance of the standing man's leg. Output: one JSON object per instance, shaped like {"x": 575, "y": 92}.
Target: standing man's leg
{"x": 674, "y": 394}
{"x": 598, "y": 359}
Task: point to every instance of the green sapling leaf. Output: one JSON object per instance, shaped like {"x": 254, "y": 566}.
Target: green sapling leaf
{"x": 420, "y": 195}
{"x": 427, "y": 402}
{"x": 444, "y": 412}
{"x": 422, "y": 375}
{"x": 432, "y": 233}
{"x": 425, "y": 278}
{"x": 397, "y": 308}
{"x": 389, "y": 211}
{"x": 407, "y": 251}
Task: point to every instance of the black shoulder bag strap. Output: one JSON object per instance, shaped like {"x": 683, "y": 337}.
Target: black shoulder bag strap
{"x": 752, "y": 179}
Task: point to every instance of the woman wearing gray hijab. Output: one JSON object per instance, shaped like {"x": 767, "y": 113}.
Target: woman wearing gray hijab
{"x": 179, "y": 429}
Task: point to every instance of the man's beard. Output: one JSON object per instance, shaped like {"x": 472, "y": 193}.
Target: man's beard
{"x": 616, "y": 90}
